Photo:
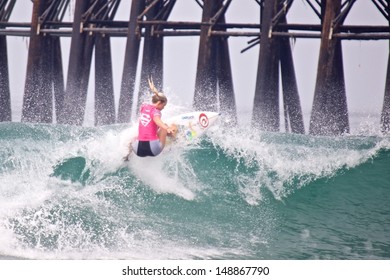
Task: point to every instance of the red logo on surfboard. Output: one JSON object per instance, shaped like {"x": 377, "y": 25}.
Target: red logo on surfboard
{"x": 203, "y": 120}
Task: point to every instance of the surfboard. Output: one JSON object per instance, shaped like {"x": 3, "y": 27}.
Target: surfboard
{"x": 191, "y": 126}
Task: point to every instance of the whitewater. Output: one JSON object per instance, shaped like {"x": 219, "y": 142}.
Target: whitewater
{"x": 237, "y": 193}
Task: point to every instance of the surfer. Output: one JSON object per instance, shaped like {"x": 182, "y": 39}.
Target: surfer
{"x": 152, "y": 131}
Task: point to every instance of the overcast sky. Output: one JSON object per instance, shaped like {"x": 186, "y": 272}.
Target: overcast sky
{"x": 365, "y": 62}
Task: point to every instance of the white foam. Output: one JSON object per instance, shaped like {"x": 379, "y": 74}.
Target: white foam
{"x": 282, "y": 163}
{"x": 152, "y": 171}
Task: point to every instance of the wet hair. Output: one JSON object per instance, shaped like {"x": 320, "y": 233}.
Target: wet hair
{"x": 159, "y": 97}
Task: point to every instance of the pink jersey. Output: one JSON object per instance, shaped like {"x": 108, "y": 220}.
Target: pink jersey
{"x": 147, "y": 129}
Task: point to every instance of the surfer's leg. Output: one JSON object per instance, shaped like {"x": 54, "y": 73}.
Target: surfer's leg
{"x": 129, "y": 152}
{"x": 155, "y": 147}
{"x": 133, "y": 146}
{"x": 162, "y": 136}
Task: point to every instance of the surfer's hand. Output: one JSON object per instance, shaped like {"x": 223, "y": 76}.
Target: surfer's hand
{"x": 172, "y": 130}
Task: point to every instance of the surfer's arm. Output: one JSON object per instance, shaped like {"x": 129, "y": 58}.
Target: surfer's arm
{"x": 161, "y": 124}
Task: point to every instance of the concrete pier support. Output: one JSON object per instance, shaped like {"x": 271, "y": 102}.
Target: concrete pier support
{"x": 5, "y": 96}
{"x": 104, "y": 85}
{"x": 214, "y": 83}
{"x": 38, "y": 95}
{"x": 152, "y": 57}
{"x": 227, "y": 100}
{"x": 291, "y": 101}
{"x": 89, "y": 14}
{"x": 330, "y": 112}
{"x": 205, "y": 96}
{"x": 6, "y": 8}
{"x": 58, "y": 79}
{"x": 78, "y": 70}
{"x": 276, "y": 54}
{"x": 265, "y": 114}
{"x": 130, "y": 63}
{"x": 385, "y": 116}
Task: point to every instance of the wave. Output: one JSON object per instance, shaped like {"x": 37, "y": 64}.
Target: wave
{"x": 66, "y": 193}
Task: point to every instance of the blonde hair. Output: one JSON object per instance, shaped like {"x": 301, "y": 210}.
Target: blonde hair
{"x": 157, "y": 96}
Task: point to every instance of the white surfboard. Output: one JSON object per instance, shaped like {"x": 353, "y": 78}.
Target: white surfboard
{"x": 192, "y": 125}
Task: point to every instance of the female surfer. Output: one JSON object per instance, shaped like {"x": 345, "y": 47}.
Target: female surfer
{"x": 152, "y": 131}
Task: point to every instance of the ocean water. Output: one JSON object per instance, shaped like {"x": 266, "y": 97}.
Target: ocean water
{"x": 65, "y": 193}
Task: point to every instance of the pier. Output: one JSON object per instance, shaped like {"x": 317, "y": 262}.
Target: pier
{"x": 51, "y": 94}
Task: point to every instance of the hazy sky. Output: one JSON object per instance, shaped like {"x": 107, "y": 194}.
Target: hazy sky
{"x": 365, "y": 62}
